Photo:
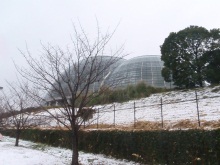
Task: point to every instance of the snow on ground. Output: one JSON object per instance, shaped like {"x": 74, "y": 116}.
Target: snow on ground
{"x": 29, "y": 153}
{"x": 177, "y": 106}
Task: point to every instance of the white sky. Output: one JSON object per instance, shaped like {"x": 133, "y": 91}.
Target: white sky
{"x": 144, "y": 24}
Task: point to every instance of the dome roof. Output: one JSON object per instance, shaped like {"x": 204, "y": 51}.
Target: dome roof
{"x": 121, "y": 73}
{"x": 145, "y": 68}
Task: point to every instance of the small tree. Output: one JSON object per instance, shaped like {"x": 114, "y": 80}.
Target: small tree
{"x": 72, "y": 78}
{"x": 17, "y": 105}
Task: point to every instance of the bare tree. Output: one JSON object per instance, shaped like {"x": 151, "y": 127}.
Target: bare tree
{"x": 73, "y": 78}
{"x": 1, "y": 111}
{"x": 19, "y": 109}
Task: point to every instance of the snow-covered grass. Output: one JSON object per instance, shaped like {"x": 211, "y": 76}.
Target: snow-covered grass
{"x": 177, "y": 106}
{"x": 29, "y": 153}
{"x": 176, "y": 111}
{"x": 179, "y": 110}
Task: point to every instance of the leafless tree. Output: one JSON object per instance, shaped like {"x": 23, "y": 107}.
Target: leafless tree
{"x": 1, "y": 111}
{"x": 19, "y": 109}
{"x": 73, "y": 78}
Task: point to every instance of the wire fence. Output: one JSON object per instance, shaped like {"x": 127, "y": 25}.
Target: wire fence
{"x": 161, "y": 110}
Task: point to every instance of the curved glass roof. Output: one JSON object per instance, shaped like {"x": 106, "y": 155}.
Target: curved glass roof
{"x": 145, "y": 68}
{"x": 105, "y": 66}
{"x": 121, "y": 73}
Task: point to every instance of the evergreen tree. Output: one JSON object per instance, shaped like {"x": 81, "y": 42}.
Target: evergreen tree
{"x": 182, "y": 53}
{"x": 212, "y": 70}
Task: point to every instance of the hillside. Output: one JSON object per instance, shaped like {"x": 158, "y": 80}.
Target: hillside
{"x": 179, "y": 111}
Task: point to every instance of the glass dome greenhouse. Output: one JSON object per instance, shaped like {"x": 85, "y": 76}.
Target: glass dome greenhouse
{"x": 145, "y": 68}
{"x": 122, "y": 73}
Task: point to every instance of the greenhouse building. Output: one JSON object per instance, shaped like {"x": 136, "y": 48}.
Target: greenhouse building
{"x": 139, "y": 69}
{"x": 122, "y": 73}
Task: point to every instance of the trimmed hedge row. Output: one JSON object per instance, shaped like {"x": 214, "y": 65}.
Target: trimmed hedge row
{"x": 148, "y": 147}
{"x": 56, "y": 138}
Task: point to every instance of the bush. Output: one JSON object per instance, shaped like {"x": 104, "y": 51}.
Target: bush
{"x": 147, "y": 147}
{"x": 129, "y": 93}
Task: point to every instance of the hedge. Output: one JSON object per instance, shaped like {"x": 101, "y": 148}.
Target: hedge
{"x": 147, "y": 147}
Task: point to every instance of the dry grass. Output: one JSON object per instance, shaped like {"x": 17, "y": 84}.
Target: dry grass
{"x": 211, "y": 124}
{"x": 147, "y": 125}
{"x": 185, "y": 124}
{"x": 100, "y": 126}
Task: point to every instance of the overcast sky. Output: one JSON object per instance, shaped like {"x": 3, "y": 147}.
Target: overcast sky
{"x": 144, "y": 24}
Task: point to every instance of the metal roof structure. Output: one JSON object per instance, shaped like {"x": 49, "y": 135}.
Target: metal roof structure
{"x": 145, "y": 68}
{"x": 122, "y": 73}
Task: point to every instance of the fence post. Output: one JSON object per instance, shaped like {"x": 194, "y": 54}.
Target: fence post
{"x": 134, "y": 114}
{"x": 197, "y": 107}
{"x": 114, "y": 115}
{"x": 161, "y": 107}
{"x": 98, "y": 119}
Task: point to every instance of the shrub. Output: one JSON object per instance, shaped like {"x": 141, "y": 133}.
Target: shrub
{"x": 147, "y": 147}
{"x": 131, "y": 92}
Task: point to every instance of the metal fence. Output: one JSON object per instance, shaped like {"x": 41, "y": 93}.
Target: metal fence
{"x": 160, "y": 105}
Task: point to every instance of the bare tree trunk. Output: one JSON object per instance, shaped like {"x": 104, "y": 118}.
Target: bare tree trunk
{"x": 198, "y": 68}
{"x": 75, "y": 152}
{"x": 18, "y": 132}
{"x": 200, "y": 77}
